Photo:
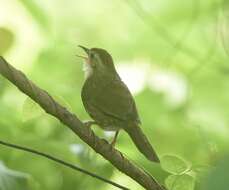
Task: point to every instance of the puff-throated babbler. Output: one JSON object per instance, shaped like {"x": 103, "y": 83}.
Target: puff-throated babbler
{"x": 109, "y": 102}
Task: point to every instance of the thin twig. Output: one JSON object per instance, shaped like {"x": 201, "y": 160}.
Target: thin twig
{"x": 70, "y": 120}
{"x": 61, "y": 162}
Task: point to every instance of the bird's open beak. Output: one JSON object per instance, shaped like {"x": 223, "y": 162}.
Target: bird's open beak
{"x": 85, "y": 49}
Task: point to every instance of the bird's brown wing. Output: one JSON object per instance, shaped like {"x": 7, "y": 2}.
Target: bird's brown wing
{"x": 115, "y": 100}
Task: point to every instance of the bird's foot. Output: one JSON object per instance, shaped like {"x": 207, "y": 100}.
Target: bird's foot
{"x": 89, "y": 123}
{"x": 113, "y": 142}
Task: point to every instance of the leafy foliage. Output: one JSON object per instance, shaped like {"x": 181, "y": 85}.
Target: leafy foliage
{"x": 173, "y": 164}
{"x": 6, "y": 39}
{"x": 180, "y": 178}
{"x": 11, "y": 180}
{"x": 176, "y": 55}
{"x": 180, "y": 182}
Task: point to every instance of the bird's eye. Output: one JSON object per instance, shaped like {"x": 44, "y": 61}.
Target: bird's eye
{"x": 92, "y": 55}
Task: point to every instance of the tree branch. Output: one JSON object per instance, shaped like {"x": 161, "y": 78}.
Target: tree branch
{"x": 101, "y": 146}
{"x": 50, "y": 157}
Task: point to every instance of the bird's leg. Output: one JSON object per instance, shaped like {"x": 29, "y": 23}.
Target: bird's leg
{"x": 89, "y": 123}
{"x": 114, "y": 139}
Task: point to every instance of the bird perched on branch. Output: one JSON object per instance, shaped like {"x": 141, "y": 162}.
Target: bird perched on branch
{"x": 109, "y": 102}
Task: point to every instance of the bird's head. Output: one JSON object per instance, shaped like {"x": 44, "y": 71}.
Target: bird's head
{"x": 98, "y": 61}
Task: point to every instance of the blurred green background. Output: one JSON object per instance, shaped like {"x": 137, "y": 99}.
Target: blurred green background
{"x": 174, "y": 57}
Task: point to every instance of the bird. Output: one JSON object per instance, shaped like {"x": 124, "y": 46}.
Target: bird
{"x": 109, "y": 102}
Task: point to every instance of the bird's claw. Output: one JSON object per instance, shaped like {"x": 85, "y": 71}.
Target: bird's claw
{"x": 114, "y": 139}
{"x": 113, "y": 143}
{"x": 89, "y": 123}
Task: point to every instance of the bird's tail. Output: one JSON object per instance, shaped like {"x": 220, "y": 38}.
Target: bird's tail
{"x": 142, "y": 143}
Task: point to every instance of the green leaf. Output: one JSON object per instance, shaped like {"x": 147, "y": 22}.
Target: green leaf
{"x": 180, "y": 182}
{"x": 13, "y": 180}
{"x": 30, "y": 110}
{"x": 6, "y": 40}
{"x": 173, "y": 164}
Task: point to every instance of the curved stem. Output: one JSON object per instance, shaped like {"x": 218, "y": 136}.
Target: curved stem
{"x": 50, "y": 157}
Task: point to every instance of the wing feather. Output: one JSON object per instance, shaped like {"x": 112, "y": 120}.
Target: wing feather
{"x": 115, "y": 100}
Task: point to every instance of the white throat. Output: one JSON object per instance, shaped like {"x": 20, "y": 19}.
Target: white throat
{"x": 87, "y": 70}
